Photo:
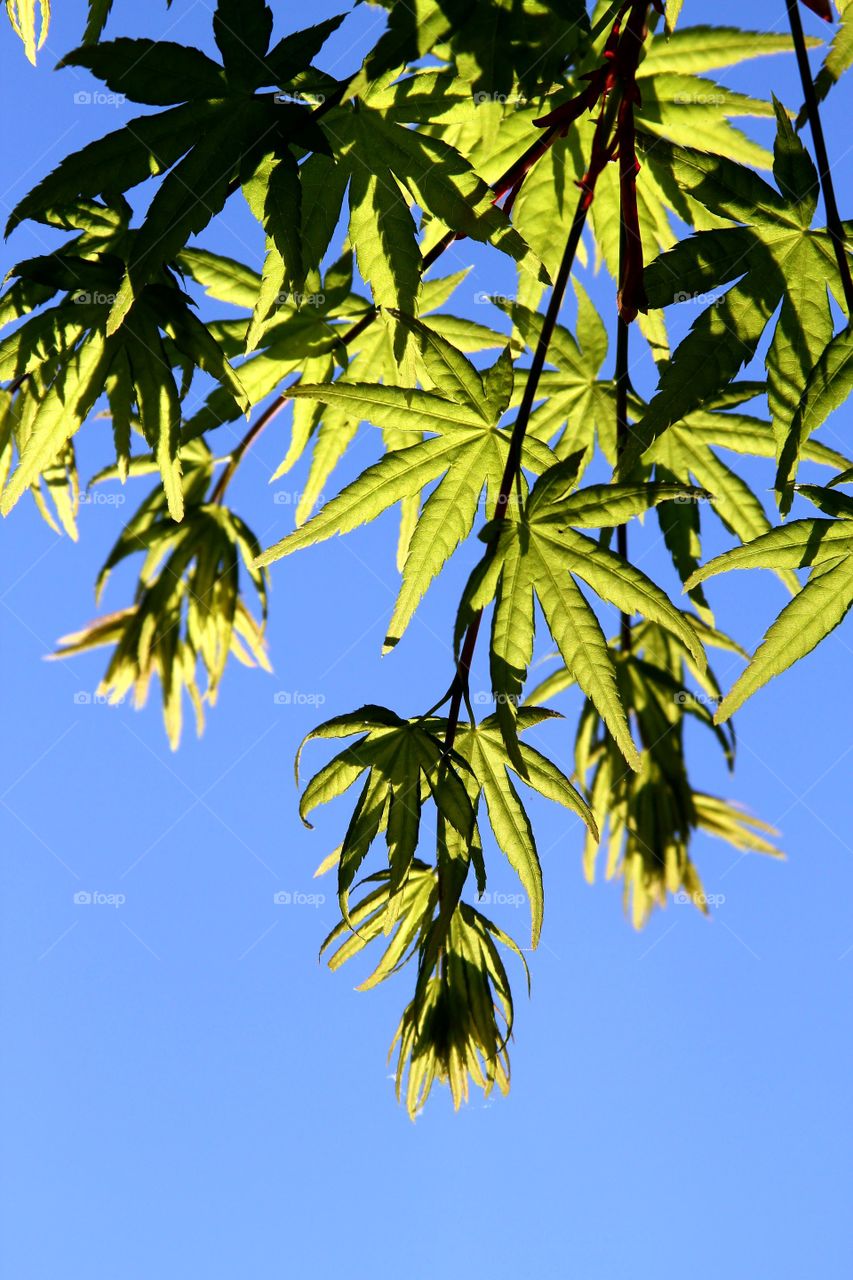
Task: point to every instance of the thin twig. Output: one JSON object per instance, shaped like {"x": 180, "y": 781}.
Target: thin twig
{"x": 516, "y": 444}
{"x": 271, "y": 411}
{"x": 833, "y": 217}
{"x": 601, "y": 153}
{"x": 623, "y": 384}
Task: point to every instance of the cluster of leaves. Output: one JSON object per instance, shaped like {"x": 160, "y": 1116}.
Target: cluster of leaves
{"x": 463, "y": 121}
{"x": 189, "y": 609}
{"x": 652, "y": 813}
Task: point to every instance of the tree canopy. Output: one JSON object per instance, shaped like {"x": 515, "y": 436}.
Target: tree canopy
{"x": 549, "y": 131}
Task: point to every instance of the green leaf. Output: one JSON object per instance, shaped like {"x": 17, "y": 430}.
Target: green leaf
{"x": 603, "y": 506}
{"x": 194, "y": 191}
{"x": 157, "y": 72}
{"x": 282, "y": 217}
{"x": 455, "y": 377}
{"x": 541, "y": 554}
{"x": 323, "y": 185}
{"x": 99, "y": 12}
{"x": 673, "y": 13}
{"x": 30, "y": 19}
{"x": 779, "y": 259}
{"x": 511, "y": 826}
{"x": 436, "y": 176}
{"x": 795, "y": 174}
{"x": 822, "y": 604}
{"x": 159, "y": 405}
{"x": 399, "y": 757}
{"x": 144, "y": 147}
{"x": 703, "y": 48}
{"x": 242, "y": 30}
{"x": 296, "y": 52}
{"x": 827, "y": 388}
{"x": 60, "y": 414}
{"x": 383, "y": 232}
{"x": 445, "y": 521}
{"x": 796, "y": 545}
{"x": 222, "y": 278}
{"x": 466, "y": 449}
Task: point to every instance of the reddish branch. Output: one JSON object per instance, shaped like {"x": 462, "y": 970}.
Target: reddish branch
{"x": 820, "y": 7}
{"x": 614, "y": 84}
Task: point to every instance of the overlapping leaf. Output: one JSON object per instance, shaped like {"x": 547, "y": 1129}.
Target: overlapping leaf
{"x": 402, "y": 760}
{"x": 458, "y": 1024}
{"x": 689, "y": 453}
{"x": 773, "y": 256}
{"x": 405, "y": 762}
{"x": 189, "y": 609}
{"x": 822, "y": 545}
{"x": 62, "y": 359}
{"x": 541, "y": 555}
{"x": 215, "y": 128}
{"x": 650, "y": 818}
{"x": 465, "y": 450}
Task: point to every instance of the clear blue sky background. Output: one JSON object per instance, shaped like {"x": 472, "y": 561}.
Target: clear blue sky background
{"x": 186, "y": 1092}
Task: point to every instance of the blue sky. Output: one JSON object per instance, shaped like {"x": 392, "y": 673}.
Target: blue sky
{"x": 187, "y": 1092}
